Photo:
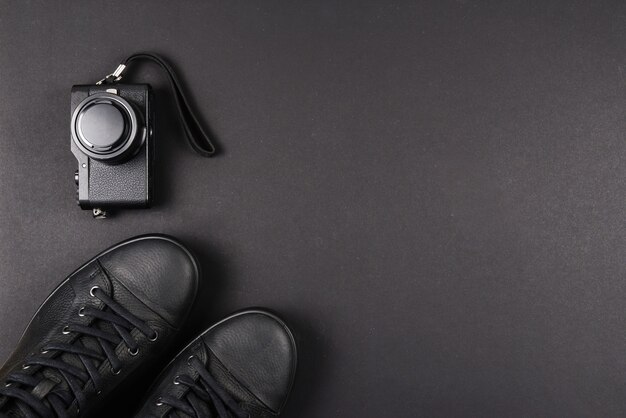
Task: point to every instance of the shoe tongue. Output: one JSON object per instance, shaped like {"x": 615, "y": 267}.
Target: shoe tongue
{"x": 43, "y": 388}
{"x": 91, "y": 343}
{"x": 10, "y": 410}
{"x": 204, "y": 410}
{"x": 51, "y": 379}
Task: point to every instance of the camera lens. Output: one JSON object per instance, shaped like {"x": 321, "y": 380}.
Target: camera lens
{"x": 106, "y": 128}
{"x": 101, "y": 126}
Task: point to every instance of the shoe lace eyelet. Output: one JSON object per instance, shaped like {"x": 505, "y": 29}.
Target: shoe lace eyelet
{"x": 116, "y": 372}
{"x": 153, "y": 339}
{"x": 177, "y": 380}
{"x": 81, "y": 311}
{"x": 43, "y": 351}
{"x": 92, "y": 291}
{"x": 190, "y": 359}
{"x": 25, "y": 367}
{"x": 66, "y": 330}
{"x": 133, "y": 352}
{"x": 159, "y": 402}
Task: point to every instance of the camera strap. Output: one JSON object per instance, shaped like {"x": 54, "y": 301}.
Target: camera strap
{"x": 196, "y": 136}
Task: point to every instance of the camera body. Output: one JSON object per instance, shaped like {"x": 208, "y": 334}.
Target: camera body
{"x": 112, "y": 140}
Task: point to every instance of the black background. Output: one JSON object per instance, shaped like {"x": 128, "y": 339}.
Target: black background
{"x": 431, "y": 193}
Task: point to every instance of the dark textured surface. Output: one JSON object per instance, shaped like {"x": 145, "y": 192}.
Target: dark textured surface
{"x": 431, "y": 193}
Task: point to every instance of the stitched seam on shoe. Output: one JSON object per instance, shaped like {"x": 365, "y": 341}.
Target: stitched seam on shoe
{"x": 112, "y": 276}
{"x": 232, "y": 376}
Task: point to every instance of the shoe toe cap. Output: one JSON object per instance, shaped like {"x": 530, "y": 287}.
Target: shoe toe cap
{"x": 259, "y": 351}
{"x": 159, "y": 271}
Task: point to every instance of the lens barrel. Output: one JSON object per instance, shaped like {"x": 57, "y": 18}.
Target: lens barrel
{"x": 107, "y": 128}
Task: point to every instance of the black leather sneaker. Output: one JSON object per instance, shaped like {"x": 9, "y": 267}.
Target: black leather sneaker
{"x": 243, "y": 366}
{"x": 99, "y": 327}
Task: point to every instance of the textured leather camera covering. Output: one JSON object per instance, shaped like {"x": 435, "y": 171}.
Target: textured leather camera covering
{"x": 122, "y": 185}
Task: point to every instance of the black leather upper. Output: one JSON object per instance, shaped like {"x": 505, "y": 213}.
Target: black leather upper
{"x": 251, "y": 354}
{"x": 152, "y": 277}
{"x": 158, "y": 272}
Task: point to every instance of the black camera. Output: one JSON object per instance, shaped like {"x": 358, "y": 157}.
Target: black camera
{"x": 112, "y": 139}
